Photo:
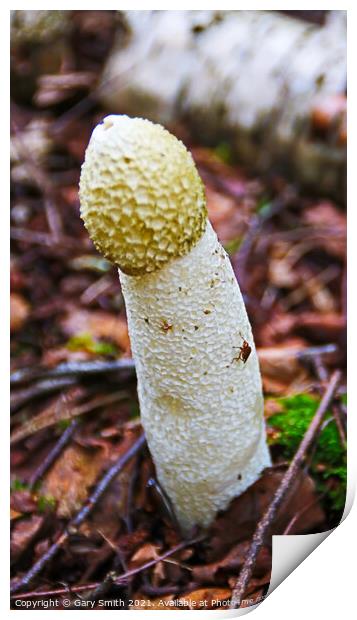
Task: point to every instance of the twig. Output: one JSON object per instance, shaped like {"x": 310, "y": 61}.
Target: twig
{"x": 340, "y": 427}
{"x": 43, "y": 184}
{"x": 280, "y": 494}
{"x": 325, "y": 349}
{"x": 81, "y": 515}
{"x": 166, "y": 502}
{"x": 53, "y": 454}
{"x": 25, "y": 375}
{"x": 42, "y": 388}
{"x": 320, "y": 369}
{"x": 115, "y": 579}
{"x": 42, "y": 238}
{"x": 322, "y": 374}
{"x": 58, "y": 413}
{"x": 94, "y": 290}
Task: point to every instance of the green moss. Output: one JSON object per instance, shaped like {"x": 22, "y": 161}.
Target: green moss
{"x": 264, "y": 206}
{"x": 232, "y": 246}
{"x": 18, "y": 485}
{"x": 86, "y": 342}
{"x": 329, "y": 460}
{"x": 62, "y": 425}
{"x": 224, "y": 152}
{"x": 46, "y": 503}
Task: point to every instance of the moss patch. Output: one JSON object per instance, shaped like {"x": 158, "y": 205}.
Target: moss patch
{"x": 329, "y": 466}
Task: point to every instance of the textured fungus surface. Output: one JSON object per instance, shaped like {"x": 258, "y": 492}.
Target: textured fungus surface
{"x": 202, "y": 409}
{"x": 142, "y": 200}
{"x": 201, "y": 405}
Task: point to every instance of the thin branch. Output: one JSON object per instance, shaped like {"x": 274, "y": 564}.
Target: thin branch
{"x": 83, "y": 513}
{"x": 267, "y": 519}
{"x": 53, "y": 454}
{"x": 58, "y": 413}
{"x": 42, "y": 388}
{"x": 67, "y": 369}
{"x": 340, "y": 426}
{"x": 43, "y": 184}
{"x": 322, "y": 374}
{"x": 112, "y": 576}
{"x": 96, "y": 367}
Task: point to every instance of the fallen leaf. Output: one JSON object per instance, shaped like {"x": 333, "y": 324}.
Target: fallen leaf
{"x": 23, "y": 534}
{"x": 334, "y": 243}
{"x": 216, "y": 572}
{"x": 238, "y": 522}
{"x": 129, "y": 542}
{"x": 322, "y": 327}
{"x": 71, "y": 477}
{"x": 144, "y": 554}
{"x": 281, "y": 361}
{"x": 23, "y": 501}
{"x": 14, "y": 514}
{"x": 19, "y": 312}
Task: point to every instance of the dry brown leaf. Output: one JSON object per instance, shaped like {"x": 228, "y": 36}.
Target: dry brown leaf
{"x": 23, "y": 534}
{"x": 330, "y": 216}
{"x": 14, "y": 514}
{"x": 23, "y": 501}
{"x": 281, "y": 361}
{"x": 238, "y": 522}
{"x": 19, "y": 312}
{"x": 216, "y": 572}
{"x": 71, "y": 477}
{"x": 129, "y": 542}
{"x": 322, "y": 327}
{"x": 282, "y": 259}
{"x": 146, "y": 553}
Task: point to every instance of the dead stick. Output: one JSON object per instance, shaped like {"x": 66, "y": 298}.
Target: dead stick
{"x": 42, "y": 388}
{"x": 113, "y": 577}
{"x": 322, "y": 374}
{"x": 337, "y": 416}
{"x": 93, "y": 367}
{"x": 267, "y": 519}
{"x": 81, "y": 515}
{"x": 53, "y": 454}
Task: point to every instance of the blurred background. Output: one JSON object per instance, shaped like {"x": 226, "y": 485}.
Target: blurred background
{"x": 260, "y": 100}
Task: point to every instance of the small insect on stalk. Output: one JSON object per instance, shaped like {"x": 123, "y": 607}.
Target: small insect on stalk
{"x": 244, "y": 351}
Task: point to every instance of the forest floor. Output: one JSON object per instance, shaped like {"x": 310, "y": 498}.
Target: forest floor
{"x": 88, "y": 517}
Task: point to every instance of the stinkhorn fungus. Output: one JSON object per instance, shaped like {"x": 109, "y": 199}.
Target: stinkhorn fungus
{"x": 199, "y": 385}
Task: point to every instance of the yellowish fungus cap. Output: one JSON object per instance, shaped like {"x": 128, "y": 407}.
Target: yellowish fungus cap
{"x": 142, "y": 200}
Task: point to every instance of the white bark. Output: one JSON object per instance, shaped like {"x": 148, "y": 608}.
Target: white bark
{"x": 250, "y": 77}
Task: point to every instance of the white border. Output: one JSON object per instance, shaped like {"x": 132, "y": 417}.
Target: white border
{"x": 324, "y": 585}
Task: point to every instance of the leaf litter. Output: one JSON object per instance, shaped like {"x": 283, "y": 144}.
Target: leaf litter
{"x": 289, "y": 254}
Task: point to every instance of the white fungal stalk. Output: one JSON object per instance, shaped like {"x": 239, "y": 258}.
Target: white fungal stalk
{"x": 199, "y": 383}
